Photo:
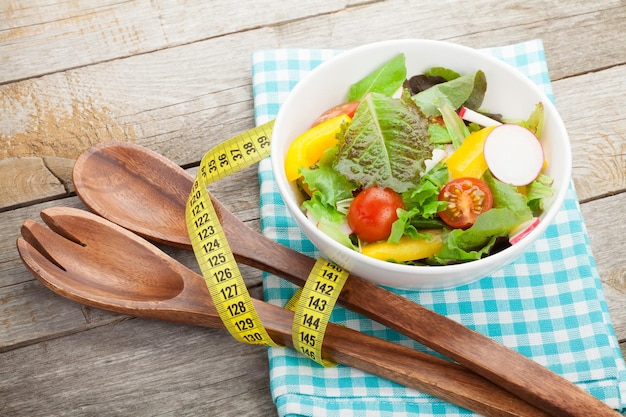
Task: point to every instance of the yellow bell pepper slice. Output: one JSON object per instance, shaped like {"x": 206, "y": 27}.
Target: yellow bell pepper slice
{"x": 407, "y": 249}
{"x": 307, "y": 149}
{"x": 468, "y": 160}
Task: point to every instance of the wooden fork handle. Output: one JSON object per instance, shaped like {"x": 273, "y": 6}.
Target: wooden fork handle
{"x": 411, "y": 368}
{"x": 503, "y": 366}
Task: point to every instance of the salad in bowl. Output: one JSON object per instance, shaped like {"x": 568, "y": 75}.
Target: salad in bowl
{"x": 434, "y": 165}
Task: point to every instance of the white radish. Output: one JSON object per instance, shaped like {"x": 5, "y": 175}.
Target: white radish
{"x": 478, "y": 118}
{"x": 513, "y": 154}
{"x": 523, "y": 230}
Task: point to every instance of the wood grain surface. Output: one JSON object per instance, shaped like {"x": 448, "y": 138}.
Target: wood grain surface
{"x": 174, "y": 76}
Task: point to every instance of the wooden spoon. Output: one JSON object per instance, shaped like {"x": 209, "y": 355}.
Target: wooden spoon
{"x": 90, "y": 260}
{"x": 146, "y": 193}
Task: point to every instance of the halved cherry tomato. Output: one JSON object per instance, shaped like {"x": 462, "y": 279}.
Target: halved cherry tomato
{"x": 466, "y": 198}
{"x": 345, "y": 108}
{"x": 372, "y": 213}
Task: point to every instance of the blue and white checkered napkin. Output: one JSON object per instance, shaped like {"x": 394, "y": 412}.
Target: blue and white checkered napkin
{"x": 548, "y": 305}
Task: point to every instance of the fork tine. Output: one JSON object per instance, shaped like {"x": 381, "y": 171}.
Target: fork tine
{"x": 46, "y": 270}
{"x": 56, "y": 249}
{"x": 69, "y": 223}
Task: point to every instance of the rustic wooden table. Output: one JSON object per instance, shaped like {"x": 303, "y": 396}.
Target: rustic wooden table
{"x": 175, "y": 76}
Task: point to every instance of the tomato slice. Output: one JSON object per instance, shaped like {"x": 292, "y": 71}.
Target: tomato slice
{"x": 467, "y": 198}
{"x": 372, "y": 213}
{"x": 345, "y": 108}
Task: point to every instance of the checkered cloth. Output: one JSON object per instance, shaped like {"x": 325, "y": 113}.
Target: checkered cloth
{"x": 547, "y": 305}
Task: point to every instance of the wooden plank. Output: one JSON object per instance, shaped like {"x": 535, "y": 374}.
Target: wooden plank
{"x": 181, "y": 98}
{"x": 91, "y": 32}
{"x": 27, "y": 179}
{"x": 154, "y": 73}
{"x": 606, "y": 234}
{"x": 86, "y": 34}
{"x": 31, "y": 313}
{"x": 139, "y": 368}
{"x": 597, "y": 130}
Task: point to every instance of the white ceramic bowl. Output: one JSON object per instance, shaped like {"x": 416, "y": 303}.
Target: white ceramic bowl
{"x": 508, "y": 92}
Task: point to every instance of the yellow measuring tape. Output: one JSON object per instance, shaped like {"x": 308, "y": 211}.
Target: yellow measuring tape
{"x": 313, "y": 304}
{"x": 217, "y": 262}
{"x": 313, "y": 307}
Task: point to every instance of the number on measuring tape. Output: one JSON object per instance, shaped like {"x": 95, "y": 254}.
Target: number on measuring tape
{"x": 313, "y": 306}
{"x": 215, "y": 258}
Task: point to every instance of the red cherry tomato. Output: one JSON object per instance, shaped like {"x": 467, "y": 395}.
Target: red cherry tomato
{"x": 345, "y": 108}
{"x": 467, "y": 198}
{"x": 372, "y": 213}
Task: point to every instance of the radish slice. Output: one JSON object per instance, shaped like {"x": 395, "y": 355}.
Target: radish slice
{"x": 475, "y": 117}
{"x": 513, "y": 154}
{"x": 523, "y": 230}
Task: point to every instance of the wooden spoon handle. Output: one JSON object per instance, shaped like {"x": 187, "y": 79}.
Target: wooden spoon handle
{"x": 411, "y": 368}
{"x": 503, "y": 366}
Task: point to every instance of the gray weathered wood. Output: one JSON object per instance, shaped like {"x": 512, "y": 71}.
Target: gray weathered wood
{"x": 175, "y": 76}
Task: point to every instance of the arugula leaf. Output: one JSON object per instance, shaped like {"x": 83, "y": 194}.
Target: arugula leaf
{"x": 386, "y": 144}
{"x": 386, "y": 79}
{"x": 466, "y": 90}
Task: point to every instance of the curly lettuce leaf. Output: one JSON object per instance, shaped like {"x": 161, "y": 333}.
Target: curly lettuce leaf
{"x": 421, "y": 207}
{"x": 386, "y": 144}
{"x": 386, "y": 79}
{"x": 328, "y": 219}
{"x": 468, "y": 90}
{"x": 328, "y": 183}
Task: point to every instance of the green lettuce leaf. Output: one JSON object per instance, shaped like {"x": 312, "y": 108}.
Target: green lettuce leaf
{"x": 386, "y": 79}
{"x": 421, "y": 207}
{"x": 439, "y": 135}
{"x": 537, "y": 191}
{"x": 329, "y": 220}
{"x": 535, "y": 121}
{"x": 328, "y": 183}
{"x": 468, "y": 90}
{"x": 454, "y": 124}
{"x": 386, "y": 144}
{"x": 445, "y": 73}
{"x": 507, "y": 196}
{"x": 510, "y": 209}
